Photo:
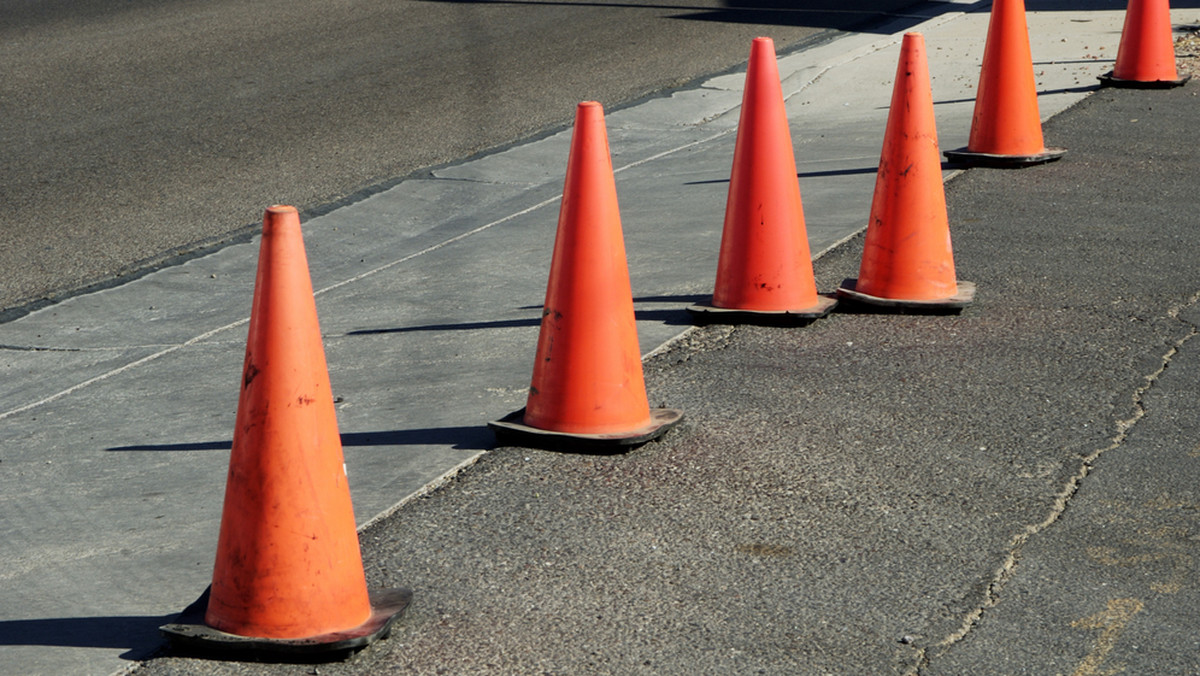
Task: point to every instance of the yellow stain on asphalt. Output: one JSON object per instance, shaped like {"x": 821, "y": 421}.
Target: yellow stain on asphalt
{"x": 1108, "y": 556}
{"x": 1111, "y": 622}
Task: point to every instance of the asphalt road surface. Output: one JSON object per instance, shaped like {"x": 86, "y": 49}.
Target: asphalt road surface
{"x": 138, "y": 131}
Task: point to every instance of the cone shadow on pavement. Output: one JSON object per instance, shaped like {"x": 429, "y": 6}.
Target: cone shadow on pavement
{"x": 468, "y": 437}
{"x": 1146, "y": 56}
{"x": 288, "y": 582}
{"x": 587, "y": 392}
{"x": 907, "y": 261}
{"x": 1006, "y": 128}
{"x": 764, "y": 270}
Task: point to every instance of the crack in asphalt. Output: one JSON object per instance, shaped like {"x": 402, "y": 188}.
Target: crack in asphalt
{"x": 1008, "y": 568}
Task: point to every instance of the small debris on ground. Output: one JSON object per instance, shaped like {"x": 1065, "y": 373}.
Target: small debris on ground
{"x": 1187, "y": 52}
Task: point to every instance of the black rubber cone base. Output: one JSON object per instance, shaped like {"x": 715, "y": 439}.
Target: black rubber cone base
{"x": 190, "y": 635}
{"x": 511, "y": 430}
{"x": 974, "y": 159}
{"x": 953, "y": 304}
{"x": 1109, "y": 80}
{"x": 710, "y": 314}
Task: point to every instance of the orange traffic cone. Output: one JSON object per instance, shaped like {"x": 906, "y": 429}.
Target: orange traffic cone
{"x": 1006, "y": 130}
{"x": 288, "y": 579}
{"x": 907, "y": 262}
{"x": 1146, "y": 57}
{"x": 587, "y": 391}
{"x": 764, "y": 271}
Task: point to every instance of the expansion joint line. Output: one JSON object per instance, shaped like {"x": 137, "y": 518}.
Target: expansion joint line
{"x": 1008, "y": 568}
